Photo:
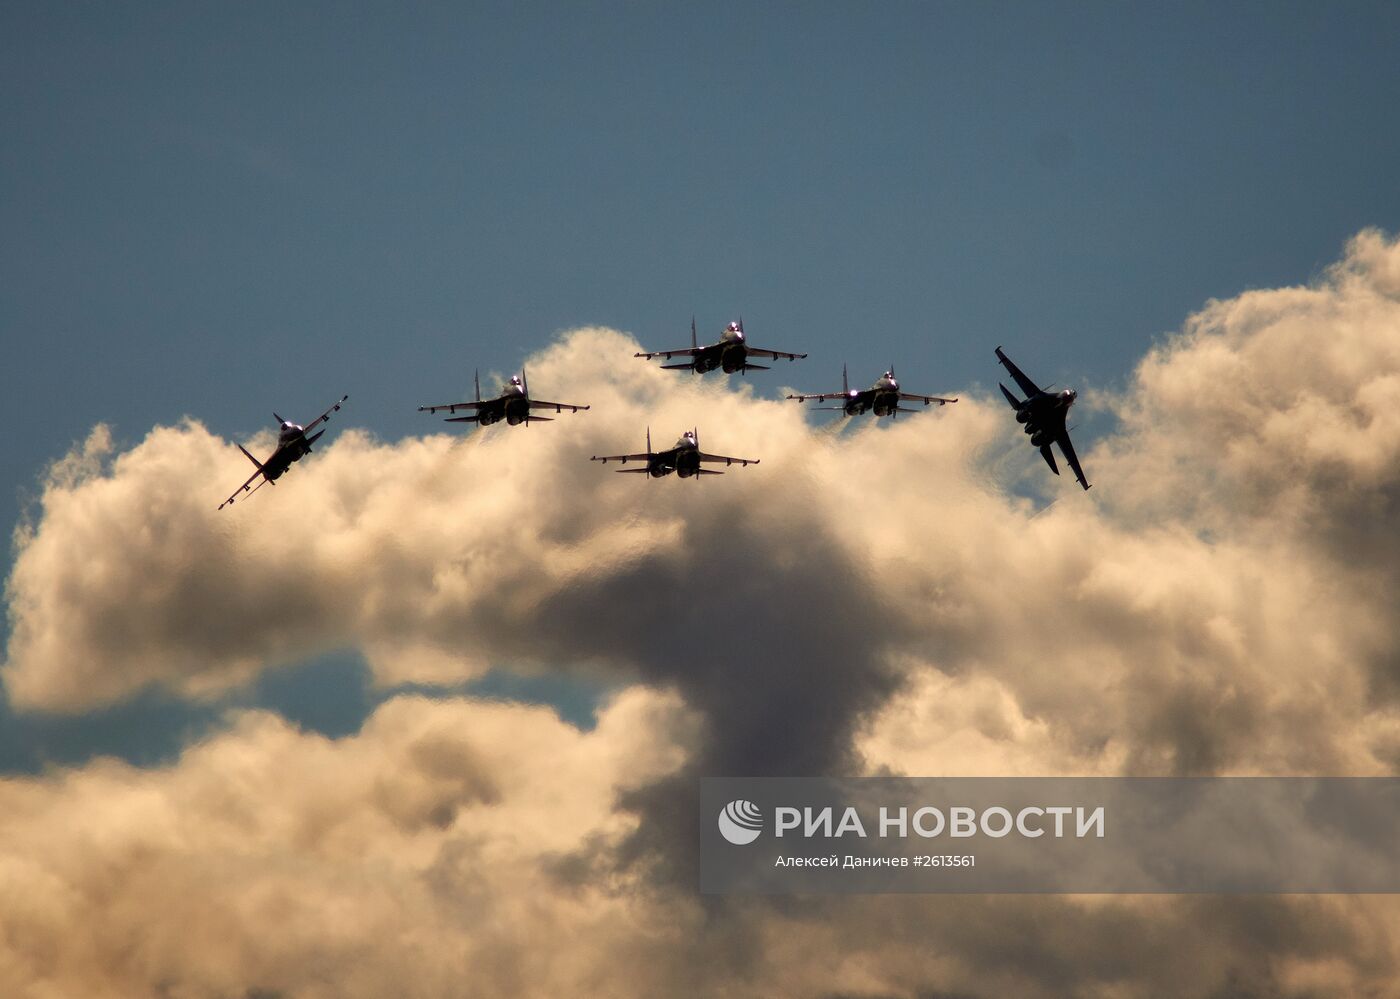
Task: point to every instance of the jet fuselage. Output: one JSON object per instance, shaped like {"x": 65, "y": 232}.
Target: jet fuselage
{"x": 1041, "y": 416}
{"x": 729, "y": 355}
{"x": 292, "y": 446}
{"x": 683, "y": 459}
{"x": 512, "y": 405}
{"x": 882, "y": 398}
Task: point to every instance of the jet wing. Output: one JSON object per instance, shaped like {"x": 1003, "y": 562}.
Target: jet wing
{"x": 1067, "y": 449}
{"x": 242, "y": 488}
{"x": 326, "y": 415}
{"x": 925, "y": 399}
{"x": 605, "y": 458}
{"x": 558, "y": 407}
{"x": 668, "y": 354}
{"x": 727, "y": 460}
{"x": 819, "y": 397}
{"x": 1029, "y": 387}
{"x": 779, "y": 355}
{"x": 452, "y": 407}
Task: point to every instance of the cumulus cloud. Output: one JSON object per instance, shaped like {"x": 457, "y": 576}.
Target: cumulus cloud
{"x": 466, "y": 848}
{"x": 1277, "y": 410}
{"x": 441, "y": 845}
{"x": 878, "y": 600}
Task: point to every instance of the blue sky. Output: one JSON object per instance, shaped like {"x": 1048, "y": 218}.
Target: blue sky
{"x": 218, "y": 210}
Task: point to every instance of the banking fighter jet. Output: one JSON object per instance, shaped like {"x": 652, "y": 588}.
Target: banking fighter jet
{"x": 293, "y": 444}
{"x": 1042, "y": 415}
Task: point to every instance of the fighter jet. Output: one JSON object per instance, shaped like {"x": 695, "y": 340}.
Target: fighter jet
{"x": 884, "y": 397}
{"x": 730, "y": 354}
{"x": 513, "y": 405}
{"x": 292, "y": 446}
{"x": 1043, "y": 415}
{"x": 684, "y": 459}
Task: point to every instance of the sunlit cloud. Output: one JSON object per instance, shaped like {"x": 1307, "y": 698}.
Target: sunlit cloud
{"x": 878, "y": 600}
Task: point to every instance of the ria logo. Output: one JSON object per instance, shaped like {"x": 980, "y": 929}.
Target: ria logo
{"x": 740, "y": 822}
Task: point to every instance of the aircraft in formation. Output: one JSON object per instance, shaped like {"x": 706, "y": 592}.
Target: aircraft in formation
{"x": 1042, "y": 414}
{"x": 730, "y": 354}
{"x": 292, "y": 446}
{"x": 685, "y": 458}
{"x": 513, "y": 405}
{"x": 883, "y": 397}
